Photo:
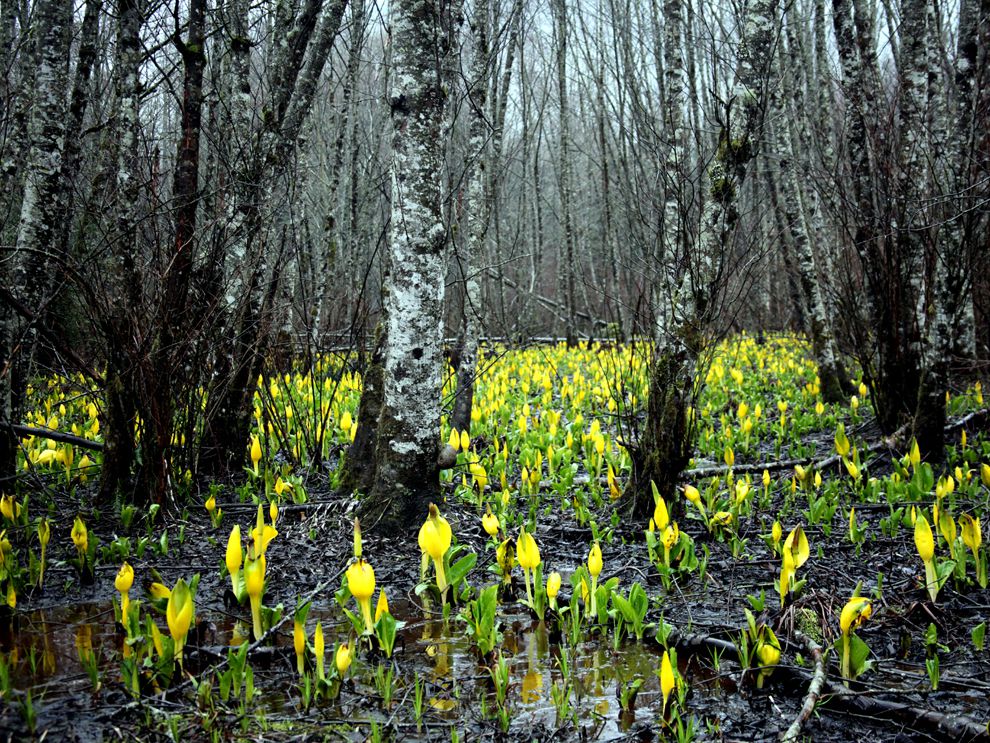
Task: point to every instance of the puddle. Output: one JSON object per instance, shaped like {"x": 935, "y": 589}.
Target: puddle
{"x": 59, "y": 652}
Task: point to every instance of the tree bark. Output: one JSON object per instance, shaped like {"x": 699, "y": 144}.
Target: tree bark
{"x": 685, "y": 330}
{"x": 37, "y": 251}
{"x": 567, "y": 267}
{"x": 407, "y": 475}
{"x": 471, "y": 252}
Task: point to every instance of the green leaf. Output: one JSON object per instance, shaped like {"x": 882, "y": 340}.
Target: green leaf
{"x": 859, "y": 651}
{"x": 979, "y": 635}
{"x": 459, "y": 570}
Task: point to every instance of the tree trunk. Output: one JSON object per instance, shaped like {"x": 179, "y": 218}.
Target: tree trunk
{"x": 471, "y": 253}
{"x": 166, "y": 377}
{"x": 37, "y": 254}
{"x": 120, "y": 329}
{"x": 407, "y": 475}
{"x": 687, "y": 319}
{"x": 567, "y": 267}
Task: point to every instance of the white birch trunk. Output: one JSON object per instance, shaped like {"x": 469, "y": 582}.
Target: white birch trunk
{"x": 407, "y": 475}
{"x": 35, "y": 257}
{"x": 478, "y": 214}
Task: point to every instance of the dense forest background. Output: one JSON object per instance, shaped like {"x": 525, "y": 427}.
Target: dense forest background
{"x": 196, "y": 193}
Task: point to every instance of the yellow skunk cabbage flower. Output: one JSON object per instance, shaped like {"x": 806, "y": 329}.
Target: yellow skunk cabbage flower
{"x": 985, "y": 474}
{"x": 766, "y": 478}
{"x": 925, "y": 542}
{"x": 527, "y": 551}
{"x": 972, "y": 538}
{"x": 947, "y": 525}
{"x": 211, "y": 504}
{"x": 923, "y": 539}
{"x": 454, "y": 442}
{"x": 613, "y": 487}
{"x": 661, "y": 517}
{"x": 841, "y": 441}
{"x": 723, "y": 518}
{"x": 490, "y": 523}
{"x": 123, "y": 583}
{"x": 179, "y": 614}
{"x": 10, "y": 508}
{"x": 434, "y": 539}
{"x": 480, "y": 477}
{"x": 595, "y": 560}
{"x": 262, "y": 533}
{"x": 44, "y": 535}
{"x": 80, "y": 537}
{"x": 342, "y": 658}
{"x": 381, "y": 607}
{"x": 254, "y": 582}
{"x": 594, "y": 569}
{"x": 856, "y": 611}
{"x": 667, "y": 680}
{"x": 794, "y": 554}
{"x": 729, "y": 456}
{"x": 319, "y": 650}
{"x": 255, "y": 454}
{"x": 768, "y": 653}
{"x": 361, "y": 582}
{"x": 553, "y": 588}
{"x": 465, "y": 440}
{"x": 528, "y": 556}
{"x": 971, "y": 532}
{"x": 159, "y": 592}
{"x": 914, "y": 457}
{"x": 299, "y": 645}
{"x": 234, "y": 557}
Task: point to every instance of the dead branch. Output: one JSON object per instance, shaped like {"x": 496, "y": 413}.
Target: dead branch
{"x": 814, "y": 688}
{"x": 59, "y": 436}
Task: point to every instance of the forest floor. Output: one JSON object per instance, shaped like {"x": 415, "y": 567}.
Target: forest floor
{"x": 483, "y": 669}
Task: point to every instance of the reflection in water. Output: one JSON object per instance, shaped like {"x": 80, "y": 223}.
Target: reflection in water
{"x": 73, "y": 641}
{"x": 46, "y": 644}
{"x": 532, "y": 683}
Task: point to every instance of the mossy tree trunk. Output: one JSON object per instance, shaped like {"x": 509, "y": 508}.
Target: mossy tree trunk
{"x": 692, "y": 275}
